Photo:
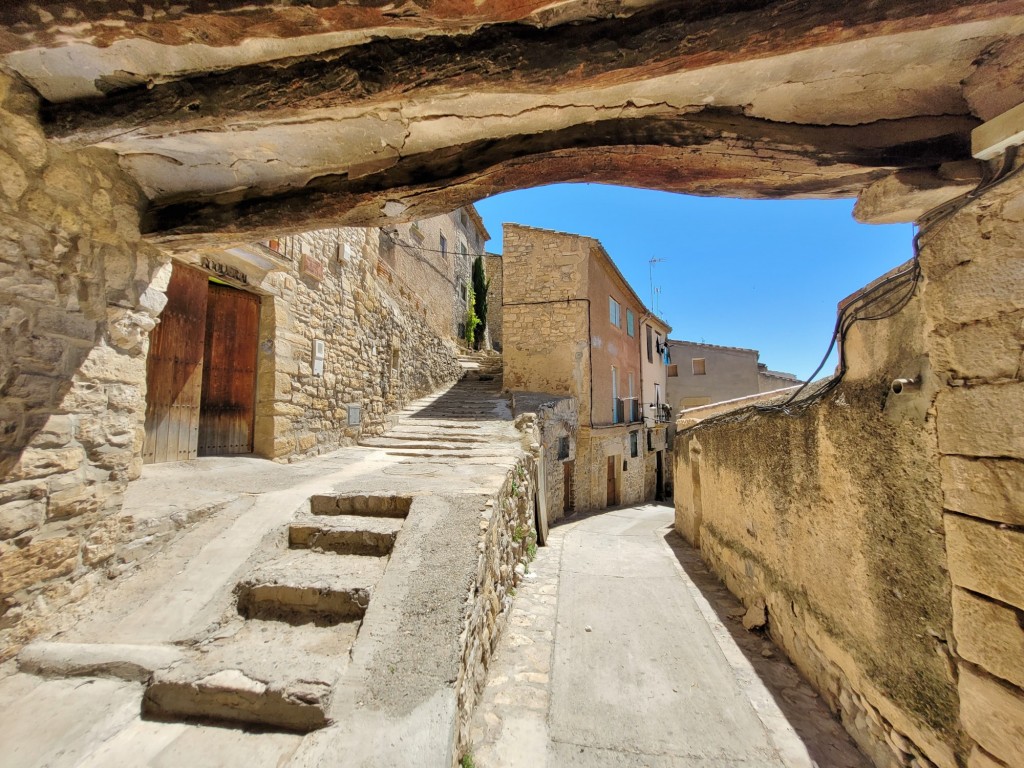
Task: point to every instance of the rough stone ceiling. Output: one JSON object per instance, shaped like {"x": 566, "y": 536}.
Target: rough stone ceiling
{"x": 245, "y": 118}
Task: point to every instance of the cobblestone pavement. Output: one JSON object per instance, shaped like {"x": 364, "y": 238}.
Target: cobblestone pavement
{"x": 623, "y": 650}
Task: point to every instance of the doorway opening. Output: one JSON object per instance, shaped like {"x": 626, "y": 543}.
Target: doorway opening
{"x": 201, "y": 371}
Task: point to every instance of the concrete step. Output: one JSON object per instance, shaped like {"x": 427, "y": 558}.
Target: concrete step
{"x": 345, "y": 534}
{"x": 261, "y": 673}
{"x": 430, "y": 437}
{"x": 451, "y": 454}
{"x": 360, "y": 504}
{"x": 432, "y": 445}
{"x": 310, "y": 588}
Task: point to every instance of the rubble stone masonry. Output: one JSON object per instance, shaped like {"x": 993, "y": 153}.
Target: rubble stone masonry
{"x": 79, "y": 293}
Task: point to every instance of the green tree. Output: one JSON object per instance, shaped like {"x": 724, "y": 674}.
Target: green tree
{"x": 481, "y": 285}
{"x": 472, "y": 321}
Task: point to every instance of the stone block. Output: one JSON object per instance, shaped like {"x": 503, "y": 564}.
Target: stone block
{"x": 79, "y": 499}
{"x": 42, "y": 462}
{"x": 990, "y": 635}
{"x": 988, "y": 488}
{"x": 978, "y": 759}
{"x": 39, "y": 561}
{"x": 993, "y": 715}
{"x": 13, "y": 181}
{"x": 16, "y": 517}
{"x": 981, "y": 421}
{"x": 985, "y": 350}
{"x": 986, "y": 558}
{"x": 990, "y": 284}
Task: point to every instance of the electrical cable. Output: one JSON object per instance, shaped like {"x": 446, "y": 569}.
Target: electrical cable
{"x": 850, "y": 314}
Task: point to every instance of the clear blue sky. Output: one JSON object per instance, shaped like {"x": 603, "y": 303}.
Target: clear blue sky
{"x": 763, "y": 274}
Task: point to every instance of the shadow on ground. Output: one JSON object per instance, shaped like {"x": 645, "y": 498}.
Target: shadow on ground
{"x": 824, "y": 737}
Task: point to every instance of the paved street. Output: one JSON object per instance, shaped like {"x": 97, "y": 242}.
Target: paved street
{"x": 622, "y": 650}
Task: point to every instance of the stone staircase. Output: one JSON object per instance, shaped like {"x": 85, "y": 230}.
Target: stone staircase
{"x": 482, "y": 365}
{"x": 299, "y": 608}
{"x": 452, "y": 424}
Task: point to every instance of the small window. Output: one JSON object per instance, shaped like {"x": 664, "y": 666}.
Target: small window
{"x": 444, "y": 247}
{"x": 699, "y": 368}
{"x": 650, "y": 345}
{"x": 634, "y": 444}
{"x": 462, "y": 292}
{"x": 629, "y": 323}
{"x": 614, "y": 316}
{"x": 650, "y": 440}
{"x": 563, "y": 448}
{"x": 672, "y": 370}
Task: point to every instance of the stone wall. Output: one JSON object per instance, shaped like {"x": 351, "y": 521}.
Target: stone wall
{"x": 79, "y": 292}
{"x": 427, "y": 281}
{"x": 380, "y": 352}
{"x": 881, "y": 531}
{"x": 557, "y": 420}
{"x": 508, "y": 540}
{"x": 495, "y": 275}
{"x": 974, "y": 300}
{"x": 595, "y": 446}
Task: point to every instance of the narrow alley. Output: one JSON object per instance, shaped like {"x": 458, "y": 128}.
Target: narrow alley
{"x": 622, "y": 650}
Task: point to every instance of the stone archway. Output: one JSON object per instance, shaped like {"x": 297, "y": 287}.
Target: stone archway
{"x": 187, "y": 123}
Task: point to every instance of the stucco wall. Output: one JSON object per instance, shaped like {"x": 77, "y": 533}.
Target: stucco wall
{"x": 883, "y": 531}
{"x": 611, "y": 345}
{"x": 729, "y": 373}
{"x": 833, "y": 519}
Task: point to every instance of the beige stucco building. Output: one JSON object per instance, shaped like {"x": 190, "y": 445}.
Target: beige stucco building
{"x": 572, "y": 326}
{"x": 701, "y": 374}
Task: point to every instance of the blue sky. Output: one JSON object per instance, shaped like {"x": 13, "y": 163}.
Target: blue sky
{"x": 763, "y": 274}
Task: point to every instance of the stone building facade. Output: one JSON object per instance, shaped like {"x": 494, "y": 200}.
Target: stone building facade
{"x": 80, "y": 294}
{"x": 571, "y": 327}
{"x": 429, "y": 264}
{"x": 492, "y": 266}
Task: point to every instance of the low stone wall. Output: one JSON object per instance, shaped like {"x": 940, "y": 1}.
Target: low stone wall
{"x": 508, "y": 538}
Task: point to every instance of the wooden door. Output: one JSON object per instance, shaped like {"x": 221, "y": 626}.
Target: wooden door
{"x": 613, "y": 495}
{"x": 174, "y": 370}
{"x": 229, "y": 372}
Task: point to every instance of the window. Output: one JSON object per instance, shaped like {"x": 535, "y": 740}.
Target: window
{"x": 387, "y": 248}
{"x": 462, "y": 291}
{"x": 672, "y": 370}
{"x": 614, "y": 312}
{"x": 657, "y": 394}
{"x": 650, "y": 345}
{"x": 444, "y": 247}
{"x": 699, "y": 368}
{"x": 563, "y": 448}
{"x": 650, "y": 440}
{"x": 629, "y": 323}
{"x": 634, "y": 444}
